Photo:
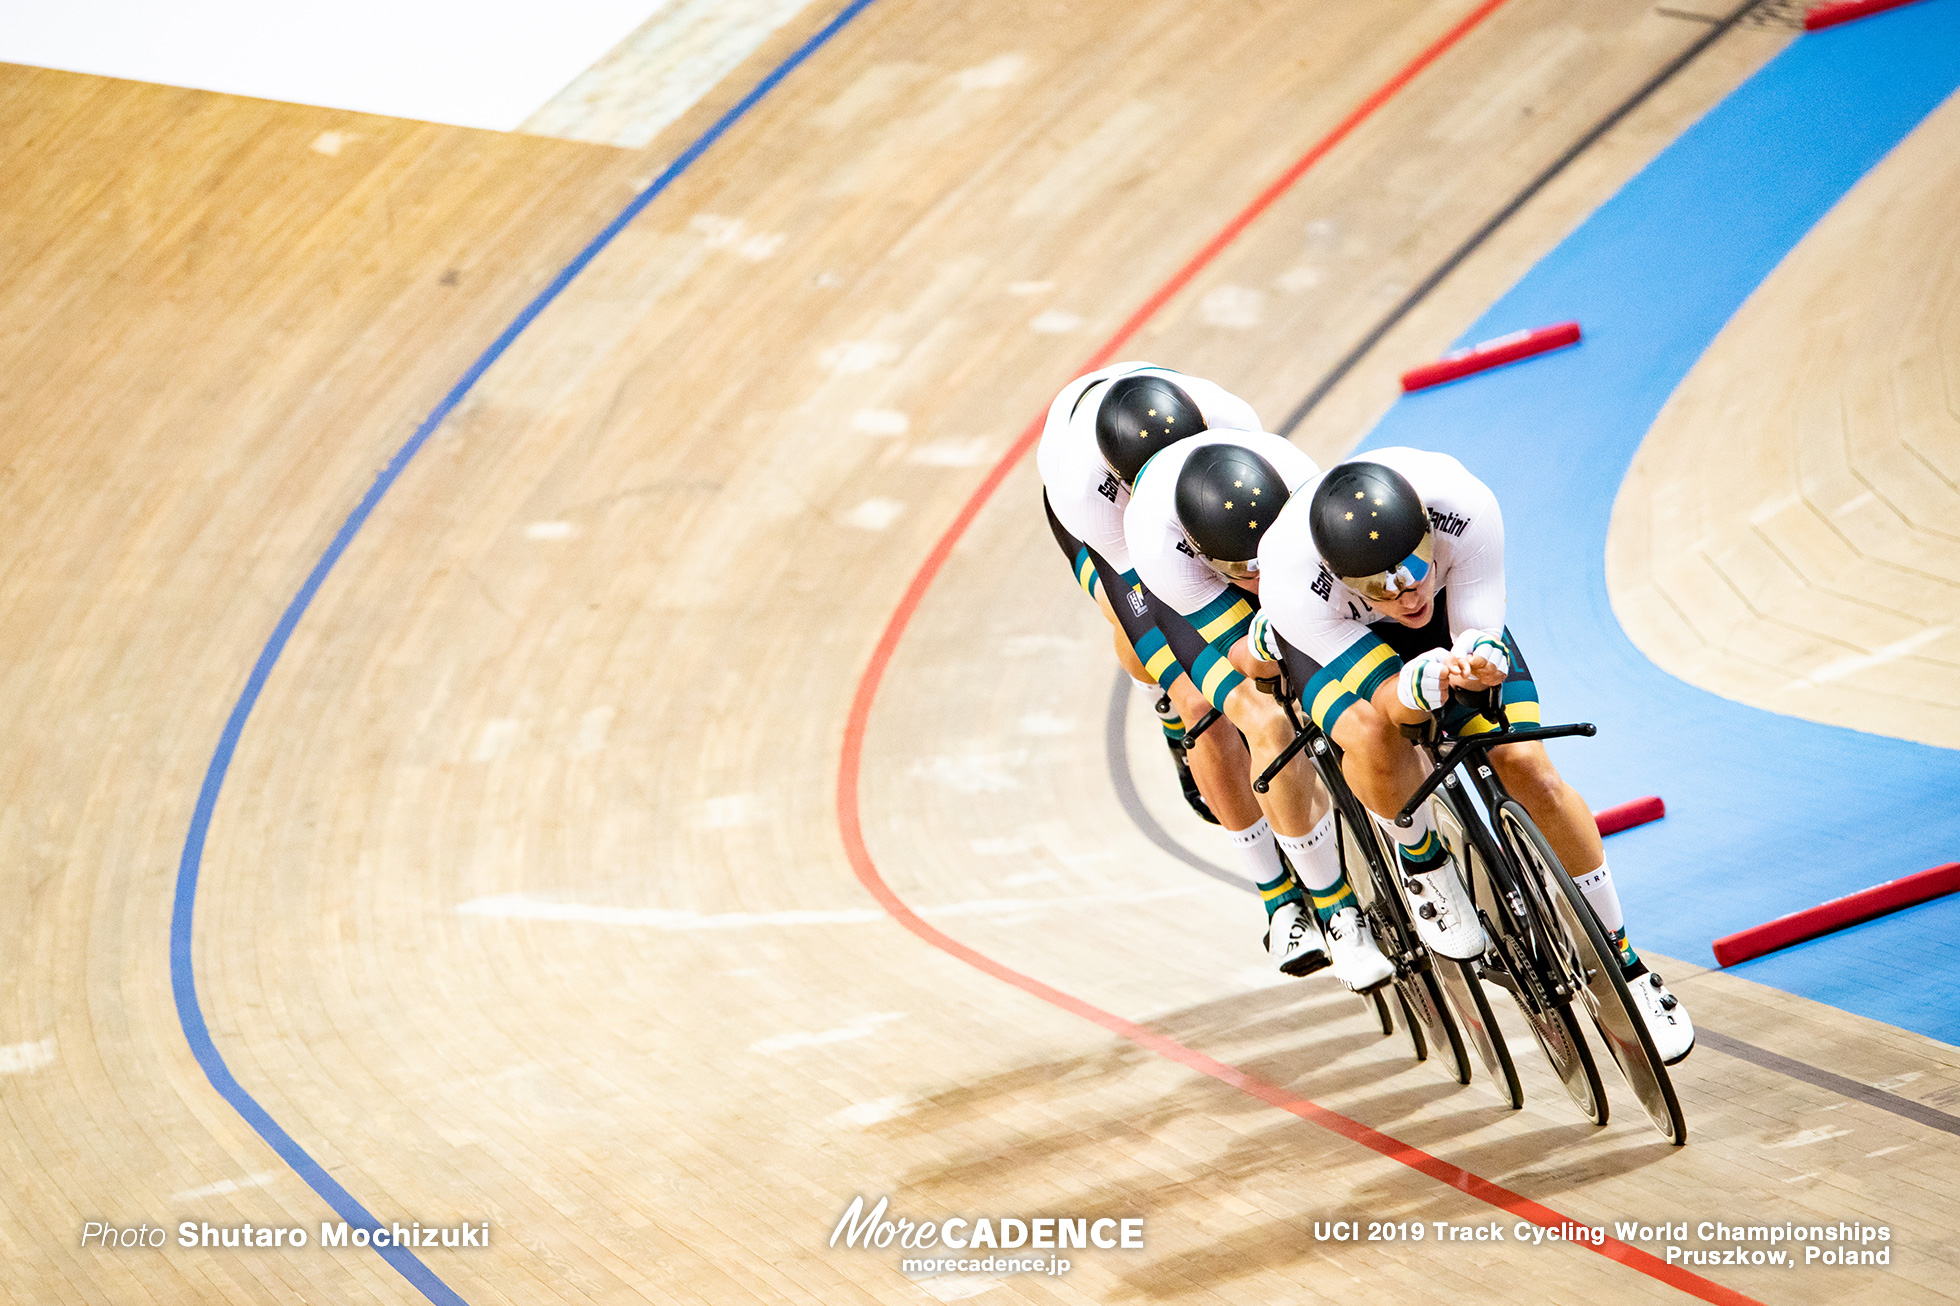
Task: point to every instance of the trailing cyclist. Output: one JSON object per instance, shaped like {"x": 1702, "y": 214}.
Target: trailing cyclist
{"x": 1384, "y": 600}
{"x": 1194, "y": 527}
{"x": 1101, "y": 430}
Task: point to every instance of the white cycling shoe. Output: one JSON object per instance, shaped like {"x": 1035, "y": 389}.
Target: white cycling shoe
{"x": 1300, "y": 951}
{"x": 1446, "y": 920}
{"x": 1357, "y": 962}
{"x": 1667, "y": 1020}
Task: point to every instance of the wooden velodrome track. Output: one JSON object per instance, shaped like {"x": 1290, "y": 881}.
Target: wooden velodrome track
{"x": 524, "y": 900}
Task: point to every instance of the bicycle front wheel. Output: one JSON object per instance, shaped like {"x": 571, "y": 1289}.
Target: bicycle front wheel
{"x": 1592, "y": 968}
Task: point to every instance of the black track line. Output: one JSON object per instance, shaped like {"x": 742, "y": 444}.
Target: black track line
{"x": 1477, "y": 238}
{"x": 1126, "y": 792}
{"x": 1114, "y": 732}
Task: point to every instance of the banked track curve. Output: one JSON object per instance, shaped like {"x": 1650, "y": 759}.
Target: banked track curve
{"x": 190, "y": 1013}
{"x": 851, "y": 828}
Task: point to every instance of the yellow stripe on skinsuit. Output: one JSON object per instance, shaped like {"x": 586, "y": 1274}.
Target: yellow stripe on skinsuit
{"x": 1161, "y": 659}
{"x": 1330, "y": 694}
{"x": 1357, "y": 675}
{"x": 1232, "y": 616}
{"x": 1213, "y": 677}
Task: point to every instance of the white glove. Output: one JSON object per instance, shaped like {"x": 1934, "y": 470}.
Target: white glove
{"x": 1420, "y": 685}
{"x": 1483, "y": 644}
{"x": 1262, "y": 639}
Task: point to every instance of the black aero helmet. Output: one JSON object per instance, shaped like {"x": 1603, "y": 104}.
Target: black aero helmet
{"x": 1226, "y": 499}
{"x": 1138, "y": 416}
{"x": 1371, "y": 529}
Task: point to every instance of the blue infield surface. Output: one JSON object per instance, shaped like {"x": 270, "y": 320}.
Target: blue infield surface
{"x": 1767, "y": 814}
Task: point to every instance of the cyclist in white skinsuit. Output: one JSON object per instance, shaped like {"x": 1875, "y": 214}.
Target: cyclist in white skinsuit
{"x": 1121, "y": 415}
{"x": 1411, "y": 607}
{"x": 1206, "y": 602}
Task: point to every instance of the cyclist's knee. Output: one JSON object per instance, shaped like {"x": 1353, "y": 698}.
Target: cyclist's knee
{"x": 1259, "y": 715}
{"x": 1375, "y": 759}
{"x": 1190, "y": 704}
{"x": 1527, "y": 772}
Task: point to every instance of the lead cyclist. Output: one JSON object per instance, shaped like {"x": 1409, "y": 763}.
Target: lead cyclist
{"x": 1383, "y": 596}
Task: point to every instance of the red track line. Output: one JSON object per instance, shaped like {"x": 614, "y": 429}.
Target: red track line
{"x": 851, "y": 827}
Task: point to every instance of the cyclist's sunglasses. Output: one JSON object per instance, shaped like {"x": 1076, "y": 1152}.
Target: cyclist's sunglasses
{"x": 1247, "y": 570}
{"x": 1385, "y": 586}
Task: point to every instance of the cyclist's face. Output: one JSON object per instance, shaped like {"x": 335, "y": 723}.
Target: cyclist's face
{"x": 1412, "y": 607}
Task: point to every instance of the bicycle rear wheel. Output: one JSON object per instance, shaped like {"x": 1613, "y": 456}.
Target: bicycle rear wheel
{"x": 1422, "y": 998}
{"x": 1463, "y": 990}
{"x": 1423, "y": 1006}
{"x": 1572, "y": 1060}
{"x": 1593, "y": 970}
{"x": 1378, "y": 1002}
{"x": 1461, "y": 980}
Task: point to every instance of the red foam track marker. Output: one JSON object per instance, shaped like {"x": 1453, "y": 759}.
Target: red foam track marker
{"x": 1491, "y": 353}
{"x": 1838, "y": 913}
{"x": 1833, "y": 14}
{"x": 1627, "y": 815}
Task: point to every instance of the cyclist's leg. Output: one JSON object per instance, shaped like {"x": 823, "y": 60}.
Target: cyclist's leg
{"x": 1563, "y": 816}
{"x": 1555, "y": 806}
{"x": 1296, "y": 804}
{"x": 1217, "y": 760}
{"x": 1217, "y": 757}
{"x": 1130, "y": 631}
{"x": 1567, "y": 823}
{"x": 1348, "y": 699}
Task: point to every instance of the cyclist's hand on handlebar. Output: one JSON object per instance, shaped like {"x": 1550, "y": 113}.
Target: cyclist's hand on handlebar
{"x": 1424, "y": 682}
{"x": 1480, "y": 660}
{"x": 1476, "y": 673}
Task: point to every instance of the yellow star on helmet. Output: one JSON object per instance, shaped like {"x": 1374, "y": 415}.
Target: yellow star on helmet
{"x": 1237, "y": 484}
{"x": 1378, "y": 503}
{"x": 1255, "y": 489}
{"x": 1153, "y": 412}
{"x": 1228, "y": 503}
{"x": 1358, "y": 494}
{"x": 1350, "y": 516}
{"x": 1255, "y": 525}
{"x": 1374, "y": 535}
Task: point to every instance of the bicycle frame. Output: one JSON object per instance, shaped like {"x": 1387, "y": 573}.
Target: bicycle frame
{"x": 1468, "y": 753}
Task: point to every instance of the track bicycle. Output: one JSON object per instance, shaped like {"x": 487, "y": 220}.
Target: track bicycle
{"x": 1375, "y": 999}
{"x": 1419, "y": 988}
{"x": 1544, "y": 945}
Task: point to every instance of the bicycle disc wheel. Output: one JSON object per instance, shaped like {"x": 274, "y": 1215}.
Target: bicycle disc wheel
{"x": 1378, "y": 1000}
{"x": 1412, "y": 1025}
{"x": 1594, "y": 967}
{"x": 1465, "y": 993}
{"x": 1572, "y": 1061}
{"x": 1460, "y": 981}
{"x": 1422, "y": 997}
